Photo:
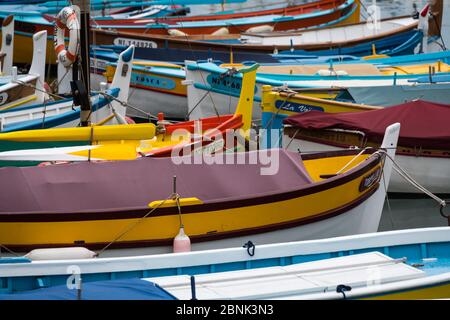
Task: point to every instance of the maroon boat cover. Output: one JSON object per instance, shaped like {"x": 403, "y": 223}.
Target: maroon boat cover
{"x": 133, "y": 184}
{"x": 423, "y": 124}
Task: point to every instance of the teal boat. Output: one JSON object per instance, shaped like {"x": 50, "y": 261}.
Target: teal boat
{"x": 406, "y": 264}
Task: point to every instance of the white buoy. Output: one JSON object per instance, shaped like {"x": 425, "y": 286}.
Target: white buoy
{"x": 61, "y": 254}
{"x": 181, "y": 243}
{"x": 329, "y": 73}
{"x": 221, "y": 32}
{"x": 176, "y": 33}
{"x": 260, "y": 29}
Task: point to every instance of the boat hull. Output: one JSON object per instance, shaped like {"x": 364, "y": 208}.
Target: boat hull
{"x": 207, "y": 223}
{"x": 432, "y": 173}
{"x": 25, "y": 29}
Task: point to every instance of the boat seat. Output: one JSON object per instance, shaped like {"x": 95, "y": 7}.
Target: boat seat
{"x": 293, "y": 281}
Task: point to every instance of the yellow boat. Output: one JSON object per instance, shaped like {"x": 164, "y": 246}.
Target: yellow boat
{"x": 128, "y": 142}
{"x": 277, "y": 198}
{"x": 279, "y": 104}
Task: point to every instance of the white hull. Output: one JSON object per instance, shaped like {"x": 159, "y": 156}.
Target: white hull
{"x": 204, "y": 104}
{"x": 150, "y": 102}
{"x": 15, "y": 117}
{"x": 335, "y": 35}
{"x": 155, "y": 262}
{"x": 432, "y": 173}
{"x": 386, "y": 96}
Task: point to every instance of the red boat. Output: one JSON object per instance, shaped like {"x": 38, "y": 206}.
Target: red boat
{"x": 338, "y": 12}
{"x": 294, "y": 10}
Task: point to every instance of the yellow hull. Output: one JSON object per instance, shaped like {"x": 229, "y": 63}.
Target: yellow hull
{"x": 440, "y": 291}
{"x": 202, "y": 222}
{"x": 416, "y": 69}
{"x": 23, "y": 49}
{"x": 282, "y": 103}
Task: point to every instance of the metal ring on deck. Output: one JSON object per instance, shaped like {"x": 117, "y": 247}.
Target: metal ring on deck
{"x": 250, "y": 248}
{"x": 441, "y": 209}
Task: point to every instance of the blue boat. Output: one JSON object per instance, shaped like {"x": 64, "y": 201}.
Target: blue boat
{"x": 424, "y": 252}
{"x": 130, "y": 289}
{"x": 396, "y": 45}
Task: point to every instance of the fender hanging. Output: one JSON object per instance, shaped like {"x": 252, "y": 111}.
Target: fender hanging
{"x": 67, "y": 19}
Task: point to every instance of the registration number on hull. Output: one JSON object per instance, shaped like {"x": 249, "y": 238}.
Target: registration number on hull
{"x": 137, "y": 43}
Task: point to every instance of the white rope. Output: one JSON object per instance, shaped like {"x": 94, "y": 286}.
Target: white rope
{"x": 416, "y": 184}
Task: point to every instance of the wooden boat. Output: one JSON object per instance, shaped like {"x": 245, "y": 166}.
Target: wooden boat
{"x": 400, "y": 30}
{"x": 222, "y": 87}
{"x": 23, "y": 90}
{"x": 289, "y": 10}
{"x": 425, "y": 251}
{"x": 31, "y": 23}
{"x": 371, "y": 275}
{"x": 204, "y": 136}
{"x": 106, "y": 143}
{"x": 62, "y": 113}
{"x": 130, "y": 289}
{"x": 281, "y": 206}
{"x": 423, "y": 150}
{"x": 163, "y": 82}
{"x": 347, "y": 11}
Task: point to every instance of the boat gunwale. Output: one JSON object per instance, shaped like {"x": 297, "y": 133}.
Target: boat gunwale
{"x": 445, "y": 153}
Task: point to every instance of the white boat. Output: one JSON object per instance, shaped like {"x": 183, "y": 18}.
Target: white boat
{"x": 214, "y": 90}
{"x": 333, "y": 36}
{"x": 406, "y": 264}
{"x": 423, "y": 151}
{"x": 26, "y": 89}
{"x": 62, "y": 113}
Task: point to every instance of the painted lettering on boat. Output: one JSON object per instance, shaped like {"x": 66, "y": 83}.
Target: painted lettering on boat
{"x": 370, "y": 180}
{"x": 3, "y": 98}
{"x": 229, "y": 84}
{"x": 295, "y": 107}
{"x": 152, "y": 81}
{"x": 137, "y": 43}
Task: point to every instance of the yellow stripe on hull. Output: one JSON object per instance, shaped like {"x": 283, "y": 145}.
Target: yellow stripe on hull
{"x": 416, "y": 69}
{"x": 165, "y": 227}
{"x": 105, "y": 133}
{"x": 435, "y": 292}
{"x": 19, "y": 103}
{"x": 269, "y": 99}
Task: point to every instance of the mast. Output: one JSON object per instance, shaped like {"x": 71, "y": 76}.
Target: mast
{"x": 84, "y": 6}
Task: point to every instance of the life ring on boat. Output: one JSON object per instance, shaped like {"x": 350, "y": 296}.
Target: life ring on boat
{"x": 67, "y": 19}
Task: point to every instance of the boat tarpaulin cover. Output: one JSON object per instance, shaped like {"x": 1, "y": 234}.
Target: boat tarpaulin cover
{"x": 423, "y": 124}
{"x": 130, "y": 289}
{"x": 119, "y": 185}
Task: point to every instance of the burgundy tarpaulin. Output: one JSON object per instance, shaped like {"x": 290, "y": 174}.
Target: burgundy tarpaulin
{"x": 423, "y": 124}
{"x": 133, "y": 184}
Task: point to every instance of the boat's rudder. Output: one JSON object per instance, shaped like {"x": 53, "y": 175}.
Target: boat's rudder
{"x": 7, "y": 44}
{"x": 38, "y": 63}
{"x": 245, "y": 103}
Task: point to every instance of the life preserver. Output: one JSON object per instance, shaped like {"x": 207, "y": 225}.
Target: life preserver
{"x": 67, "y": 19}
